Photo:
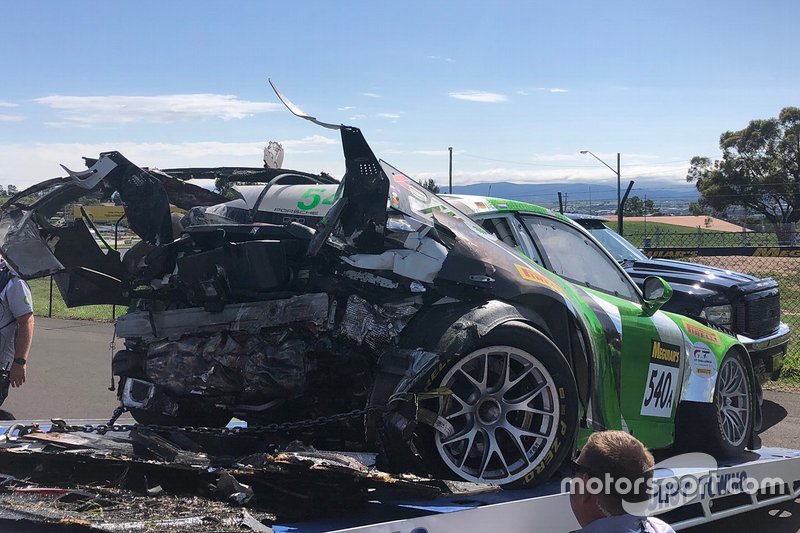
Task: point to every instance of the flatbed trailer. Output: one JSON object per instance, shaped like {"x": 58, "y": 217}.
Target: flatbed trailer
{"x": 70, "y": 481}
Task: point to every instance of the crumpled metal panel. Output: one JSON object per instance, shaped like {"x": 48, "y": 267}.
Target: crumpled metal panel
{"x": 227, "y": 364}
{"x": 372, "y": 325}
{"x": 23, "y": 248}
{"x": 250, "y": 317}
{"x": 285, "y": 366}
{"x": 215, "y": 214}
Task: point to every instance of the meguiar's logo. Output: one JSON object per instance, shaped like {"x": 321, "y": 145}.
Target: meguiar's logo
{"x": 665, "y": 354}
{"x": 775, "y": 252}
{"x": 672, "y": 254}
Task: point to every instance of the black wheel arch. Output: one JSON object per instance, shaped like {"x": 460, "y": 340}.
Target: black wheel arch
{"x": 452, "y": 329}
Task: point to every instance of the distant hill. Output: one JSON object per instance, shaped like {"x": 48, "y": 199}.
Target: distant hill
{"x": 548, "y": 192}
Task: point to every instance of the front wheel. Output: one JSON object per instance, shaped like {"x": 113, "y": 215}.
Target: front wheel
{"x": 733, "y": 400}
{"x": 723, "y": 427}
{"x": 512, "y": 412}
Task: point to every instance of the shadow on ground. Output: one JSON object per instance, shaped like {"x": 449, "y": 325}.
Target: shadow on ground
{"x": 772, "y": 413}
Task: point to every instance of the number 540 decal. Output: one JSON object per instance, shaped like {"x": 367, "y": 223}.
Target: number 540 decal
{"x": 662, "y": 380}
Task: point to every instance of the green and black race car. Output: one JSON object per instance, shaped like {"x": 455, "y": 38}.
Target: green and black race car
{"x": 449, "y": 342}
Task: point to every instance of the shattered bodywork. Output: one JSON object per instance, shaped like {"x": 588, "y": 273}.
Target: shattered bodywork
{"x": 302, "y": 297}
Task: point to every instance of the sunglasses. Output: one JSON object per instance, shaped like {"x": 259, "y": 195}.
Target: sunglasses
{"x": 578, "y": 468}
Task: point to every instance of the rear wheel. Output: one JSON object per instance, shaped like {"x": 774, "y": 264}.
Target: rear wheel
{"x": 512, "y": 415}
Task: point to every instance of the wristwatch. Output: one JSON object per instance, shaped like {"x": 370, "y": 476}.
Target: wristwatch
{"x": 20, "y": 361}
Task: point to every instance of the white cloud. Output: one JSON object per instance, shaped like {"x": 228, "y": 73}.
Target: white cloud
{"x": 523, "y": 93}
{"x": 441, "y": 58}
{"x": 357, "y": 117}
{"x": 371, "y": 95}
{"x": 479, "y": 96}
{"x": 552, "y": 89}
{"x": 27, "y": 164}
{"x": 346, "y": 108}
{"x": 557, "y": 157}
{"x": 11, "y": 118}
{"x": 7, "y": 104}
{"x": 307, "y": 144}
{"x": 165, "y": 108}
{"x": 387, "y": 115}
{"x": 643, "y": 174}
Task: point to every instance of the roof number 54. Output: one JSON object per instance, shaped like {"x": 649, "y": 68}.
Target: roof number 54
{"x": 313, "y": 196}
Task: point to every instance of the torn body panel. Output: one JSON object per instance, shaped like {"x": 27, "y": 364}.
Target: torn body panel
{"x": 303, "y": 299}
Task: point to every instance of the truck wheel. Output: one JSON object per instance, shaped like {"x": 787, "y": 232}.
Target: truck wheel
{"x": 723, "y": 427}
{"x": 513, "y": 410}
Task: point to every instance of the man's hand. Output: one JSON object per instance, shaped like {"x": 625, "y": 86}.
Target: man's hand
{"x": 21, "y": 348}
{"x": 17, "y": 375}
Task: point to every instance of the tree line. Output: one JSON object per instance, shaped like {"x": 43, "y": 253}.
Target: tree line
{"x": 11, "y": 190}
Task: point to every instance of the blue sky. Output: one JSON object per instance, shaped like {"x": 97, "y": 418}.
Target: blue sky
{"x": 516, "y": 88}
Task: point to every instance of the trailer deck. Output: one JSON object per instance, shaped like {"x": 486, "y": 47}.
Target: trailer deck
{"x": 134, "y": 479}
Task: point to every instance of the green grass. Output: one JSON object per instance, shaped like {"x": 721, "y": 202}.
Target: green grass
{"x": 669, "y": 235}
{"x": 790, "y": 314}
{"x": 40, "y": 289}
{"x": 638, "y": 227}
{"x": 790, "y": 305}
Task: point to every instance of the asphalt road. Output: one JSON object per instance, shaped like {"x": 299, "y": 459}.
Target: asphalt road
{"x": 70, "y": 371}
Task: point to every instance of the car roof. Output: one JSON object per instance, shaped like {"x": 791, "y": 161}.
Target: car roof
{"x": 474, "y": 204}
{"x": 584, "y": 216}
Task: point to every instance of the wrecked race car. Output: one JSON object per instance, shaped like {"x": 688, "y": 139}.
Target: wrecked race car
{"x": 456, "y": 354}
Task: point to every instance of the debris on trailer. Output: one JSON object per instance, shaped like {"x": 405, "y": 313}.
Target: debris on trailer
{"x": 143, "y": 478}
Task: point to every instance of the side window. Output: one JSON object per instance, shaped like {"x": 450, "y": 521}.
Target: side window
{"x": 578, "y": 258}
{"x": 501, "y": 227}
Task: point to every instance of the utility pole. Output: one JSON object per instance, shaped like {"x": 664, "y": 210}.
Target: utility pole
{"x": 619, "y": 199}
{"x": 619, "y": 187}
{"x": 450, "y": 149}
{"x": 590, "y": 200}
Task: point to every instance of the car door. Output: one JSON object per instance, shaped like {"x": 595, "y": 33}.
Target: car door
{"x": 643, "y": 362}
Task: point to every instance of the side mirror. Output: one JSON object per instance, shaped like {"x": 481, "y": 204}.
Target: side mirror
{"x": 657, "y": 292}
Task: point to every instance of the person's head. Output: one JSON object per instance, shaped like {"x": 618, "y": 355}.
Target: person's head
{"x": 612, "y": 466}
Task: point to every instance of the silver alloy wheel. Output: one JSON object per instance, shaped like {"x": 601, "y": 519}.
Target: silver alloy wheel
{"x": 733, "y": 400}
{"x": 505, "y": 412}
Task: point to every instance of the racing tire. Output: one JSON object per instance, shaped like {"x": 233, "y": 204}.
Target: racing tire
{"x": 512, "y": 413}
{"x": 721, "y": 428}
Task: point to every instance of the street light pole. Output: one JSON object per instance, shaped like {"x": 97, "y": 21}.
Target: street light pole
{"x": 619, "y": 186}
{"x": 450, "y": 149}
{"x": 619, "y": 199}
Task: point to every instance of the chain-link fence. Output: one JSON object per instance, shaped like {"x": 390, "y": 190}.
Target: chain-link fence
{"x": 754, "y": 253}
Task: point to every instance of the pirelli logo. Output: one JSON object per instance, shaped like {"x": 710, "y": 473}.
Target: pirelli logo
{"x": 665, "y": 354}
{"x": 708, "y": 335}
{"x": 530, "y": 274}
